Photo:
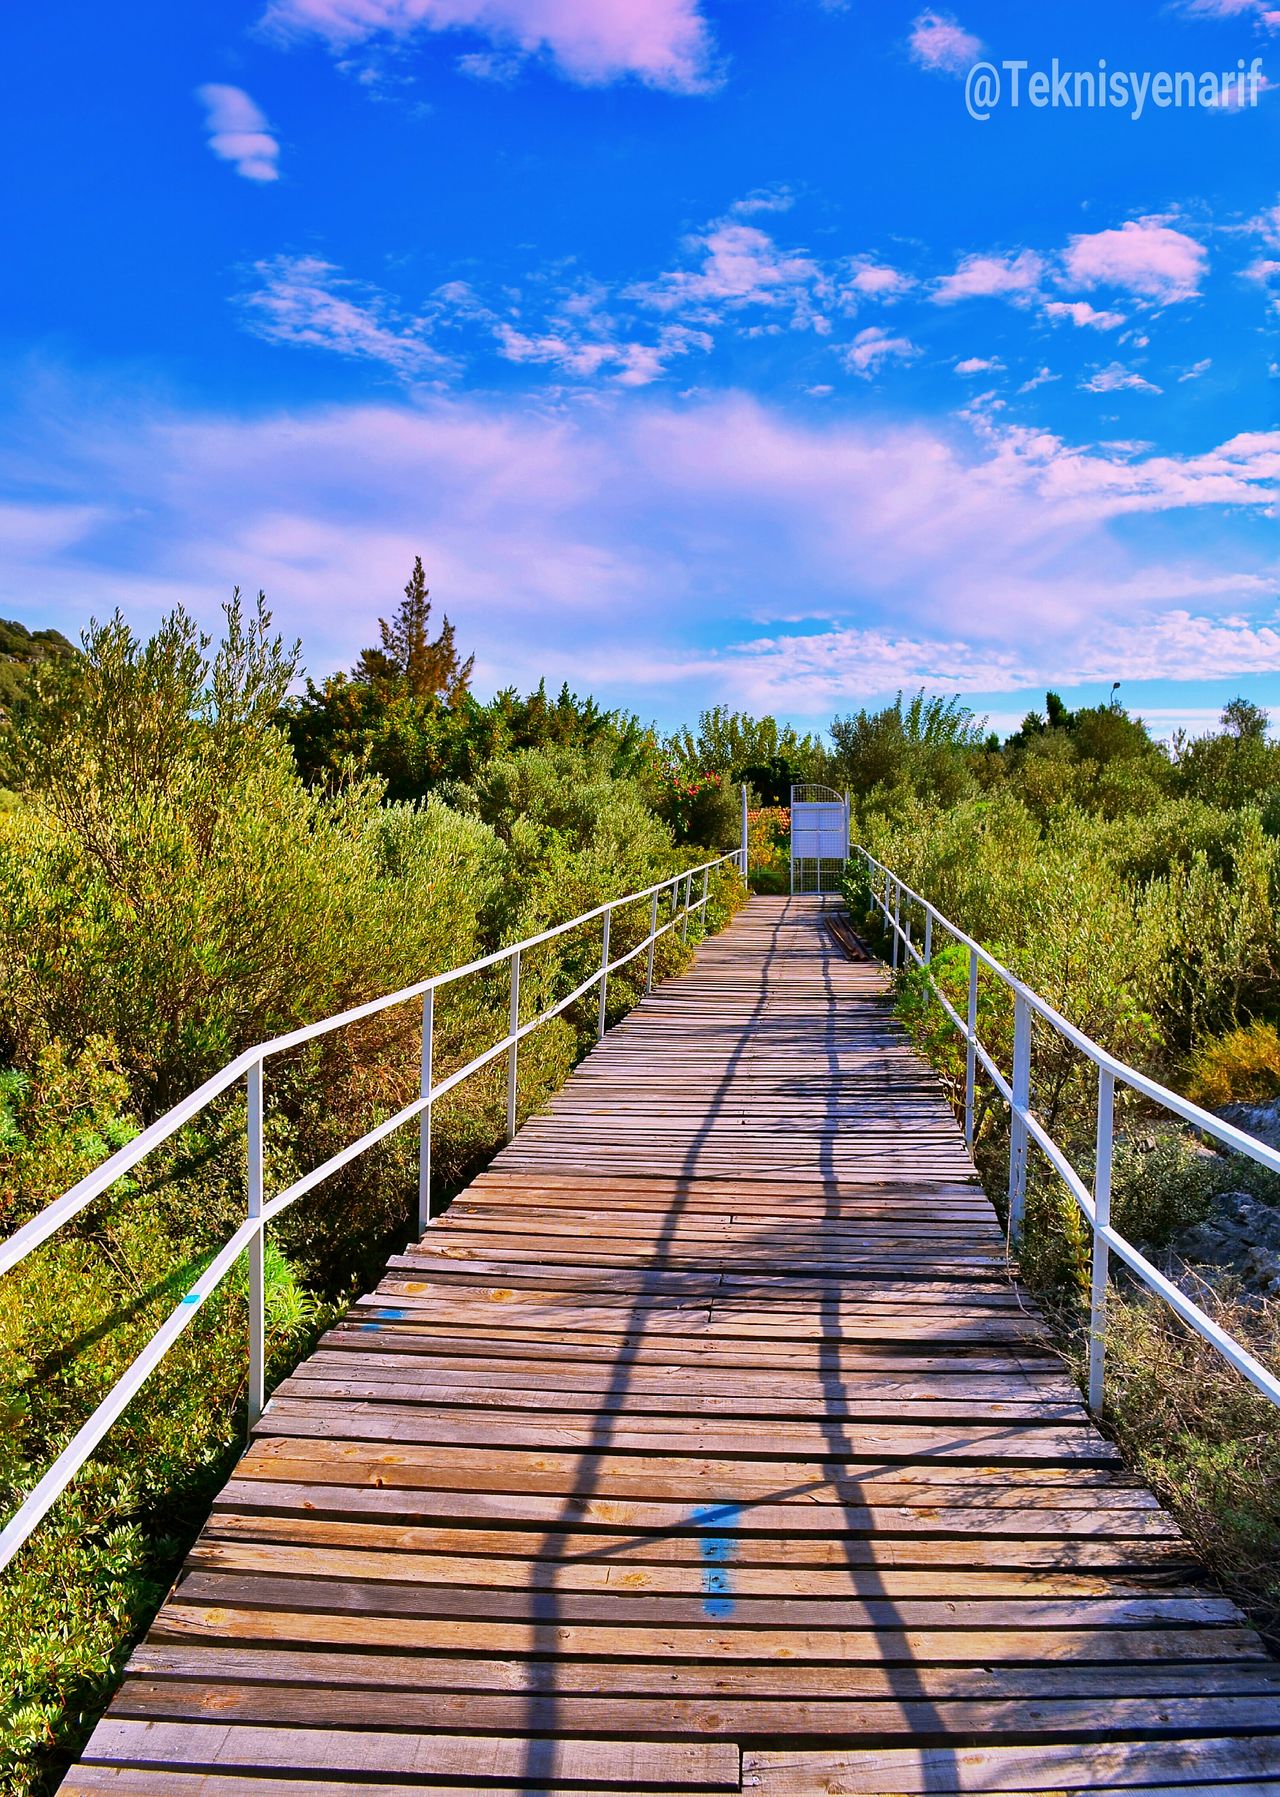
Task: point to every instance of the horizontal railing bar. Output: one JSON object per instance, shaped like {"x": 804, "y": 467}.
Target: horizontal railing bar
{"x": 309, "y": 1181}
{"x": 53, "y": 1216}
{"x": 123, "y": 1161}
{"x": 1140, "y": 1082}
{"x": 45, "y": 1493}
{"x": 1191, "y": 1313}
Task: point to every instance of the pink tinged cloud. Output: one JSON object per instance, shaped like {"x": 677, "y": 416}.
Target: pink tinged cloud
{"x": 872, "y": 348}
{"x": 991, "y": 277}
{"x": 1145, "y": 257}
{"x": 1081, "y": 313}
{"x": 663, "y": 43}
{"x": 571, "y": 542}
{"x": 304, "y": 300}
{"x": 939, "y": 43}
{"x": 741, "y": 265}
{"x": 238, "y": 132}
{"x": 878, "y": 281}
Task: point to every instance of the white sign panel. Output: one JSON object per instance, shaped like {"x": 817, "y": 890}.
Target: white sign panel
{"x": 818, "y": 831}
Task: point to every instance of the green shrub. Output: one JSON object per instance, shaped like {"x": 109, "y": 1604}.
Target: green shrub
{"x": 1161, "y": 1183}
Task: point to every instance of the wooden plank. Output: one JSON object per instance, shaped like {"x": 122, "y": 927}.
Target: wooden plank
{"x": 1119, "y": 1765}
{"x": 785, "y": 1680}
{"x": 631, "y": 1764}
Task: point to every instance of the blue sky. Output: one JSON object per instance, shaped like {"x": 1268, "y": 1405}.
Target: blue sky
{"x": 707, "y": 350}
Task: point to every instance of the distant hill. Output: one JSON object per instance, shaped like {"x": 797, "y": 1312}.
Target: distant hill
{"x": 20, "y": 650}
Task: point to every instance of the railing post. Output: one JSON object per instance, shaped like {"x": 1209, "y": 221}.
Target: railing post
{"x": 256, "y": 1390}
{"x": 513, "y": 1051}
{"x": 1101, "y": 1253}
{"x": 653, "y": 938}
{"x": 928, "y": 937}
{"x": 424, "y": 1116}
{"x": 604, "y": 972}
{"x": 1021, "y": 1086}
{"x": 897, "y": 919}
{"x": 688, "y": 894}
{"x": 971, "y": 1050}
{"x": 706, "y": 887}
{"x": 746, "y": 871}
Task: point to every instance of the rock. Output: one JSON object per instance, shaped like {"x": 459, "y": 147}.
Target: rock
{"x": 1240, "y": 1236}
{"x": 1261, "y": 1120}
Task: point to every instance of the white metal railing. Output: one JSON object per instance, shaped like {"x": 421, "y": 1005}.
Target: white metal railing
{"x": 261, "y": 1211}
{"x": 1026, "y": 1128}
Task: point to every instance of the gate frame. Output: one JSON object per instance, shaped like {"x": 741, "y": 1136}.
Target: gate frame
{"x": 831, "y": 797}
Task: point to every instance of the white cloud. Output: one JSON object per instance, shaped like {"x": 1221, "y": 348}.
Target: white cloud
{"x": 872, "y": 348}
{"x": 982, "y": 277}
{"x": 1115, "y": 378}
{"x": 630, "y": 364}
{"x": 1264, "y": 15}
{"x": 1080, "y": 312}
{"x": 1145, "y": 257}
{"x": 238, "y": 132}
{"x": 307, "y": 301}
{"x": 818, "y": 672}
{"x": 567, "y": 543}
{"x": 739, "y": 265}
{"x": 1040, "y": 378}
{"x": 1266, "y": 272}
{"x": 877, "y": 280}
{"x": 1240, "y": 93}
{"x": 939, "y": 43}
{"x": 977, "y": 365}
{"x": 490, "y": 65}
{"x": 663, "y": 43}
{"x": 764, "y": 199}
{"x": 1196, "y": 370}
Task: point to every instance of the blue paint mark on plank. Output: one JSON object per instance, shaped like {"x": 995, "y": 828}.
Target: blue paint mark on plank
{"x": 390, "y": 1315}
{"x": 190, "y": 1297}
{"x": 716, "y": 1550}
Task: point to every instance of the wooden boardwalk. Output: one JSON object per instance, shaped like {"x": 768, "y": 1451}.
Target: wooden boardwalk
{"x": 704, "y": 1445}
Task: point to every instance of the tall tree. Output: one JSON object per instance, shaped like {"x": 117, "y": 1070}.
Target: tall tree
{"x": 409, "y": 658}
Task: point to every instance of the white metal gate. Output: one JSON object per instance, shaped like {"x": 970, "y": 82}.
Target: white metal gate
{"x": 819, "y": 834}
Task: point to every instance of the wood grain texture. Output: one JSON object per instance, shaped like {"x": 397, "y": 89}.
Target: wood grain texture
{"x": 706, "y": 1444}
